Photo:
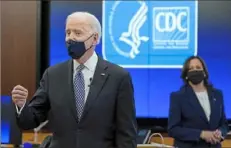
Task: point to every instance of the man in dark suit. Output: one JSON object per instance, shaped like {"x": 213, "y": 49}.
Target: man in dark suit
{"x": 91, "y": 100}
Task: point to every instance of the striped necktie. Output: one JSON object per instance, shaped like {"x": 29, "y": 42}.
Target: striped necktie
{"x": 79, "y": 89}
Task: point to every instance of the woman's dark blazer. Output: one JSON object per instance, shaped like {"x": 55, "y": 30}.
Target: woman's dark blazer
{"x": 187, "y": 118}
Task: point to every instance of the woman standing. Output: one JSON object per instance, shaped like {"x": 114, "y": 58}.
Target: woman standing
{"x": 196, "y": 114}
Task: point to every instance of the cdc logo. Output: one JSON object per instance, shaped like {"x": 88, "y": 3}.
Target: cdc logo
{"x": 172, "y": 21}
{"x": 171, "y": 27}
{"x": 149, "y": 34}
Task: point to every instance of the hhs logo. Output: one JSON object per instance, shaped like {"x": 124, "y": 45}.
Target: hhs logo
{"x": 149, "y": 34}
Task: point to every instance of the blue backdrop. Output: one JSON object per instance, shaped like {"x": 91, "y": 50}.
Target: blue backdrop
{"x": 5, "y": 120}
{"x": 153, "y": 85}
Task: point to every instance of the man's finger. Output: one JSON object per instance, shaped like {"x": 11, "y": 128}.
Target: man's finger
{"x": 17, "y": 96}
{"x": 23, "y": 93}
{"x": 17, "y": 100}
{"x": 20, "y": 100}
{"x": 19, "y": 87}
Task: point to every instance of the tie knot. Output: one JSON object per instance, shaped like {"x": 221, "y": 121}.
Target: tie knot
{"x": 80, "y": 68}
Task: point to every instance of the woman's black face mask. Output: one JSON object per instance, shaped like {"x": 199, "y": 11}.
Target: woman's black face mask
{"x": 196, "y": 76}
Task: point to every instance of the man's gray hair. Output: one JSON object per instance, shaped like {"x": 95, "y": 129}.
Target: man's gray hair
{"x": 94, "y": 22}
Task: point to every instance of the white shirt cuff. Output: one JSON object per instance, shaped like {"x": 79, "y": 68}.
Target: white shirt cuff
{"x": 19, "y": 110}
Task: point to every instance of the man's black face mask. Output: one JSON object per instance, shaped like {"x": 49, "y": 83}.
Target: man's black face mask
{"x": 76, "y": 49}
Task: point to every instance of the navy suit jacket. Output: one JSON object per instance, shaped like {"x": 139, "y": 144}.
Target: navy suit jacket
{"x": 108, "y": 119}
{"x": 187, "y": 118}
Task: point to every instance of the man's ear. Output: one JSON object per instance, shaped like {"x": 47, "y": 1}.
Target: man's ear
{"x": 96, "y": 37}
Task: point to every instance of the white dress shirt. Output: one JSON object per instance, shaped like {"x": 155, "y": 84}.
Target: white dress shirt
{"x": 204, "y": 102}
{"x": 88, "y": 73}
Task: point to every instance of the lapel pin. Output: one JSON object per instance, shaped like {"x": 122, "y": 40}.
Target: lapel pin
{"x": 214, "y": 99}
{"x": 102, "y": 74}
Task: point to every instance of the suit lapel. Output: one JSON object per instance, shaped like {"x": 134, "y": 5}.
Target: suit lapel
{"x": 99, "y": 79}
{"x": 213, "y": 105}
{"x": 70, "y": 91}
{"x": 196, "y": 104}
